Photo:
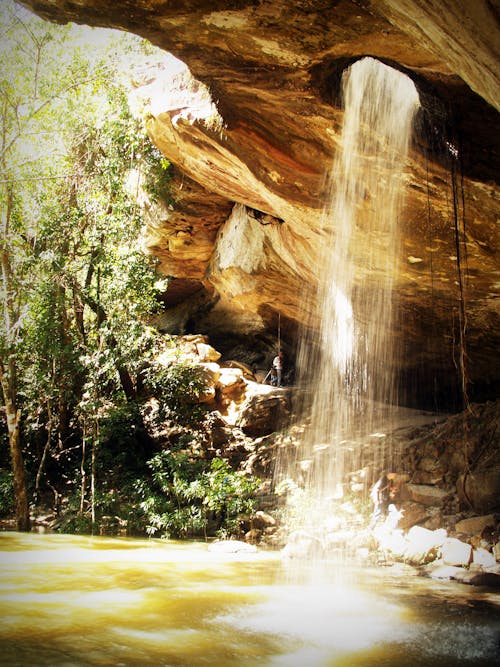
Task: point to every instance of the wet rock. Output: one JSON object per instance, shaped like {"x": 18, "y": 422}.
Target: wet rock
{"x": 475, "y": 524}
{"x": 262, "y": 414}
{"x": 483, "y": 558}
{"x": 490, "y": 579}
{"x": 231, "y": 547}
{"x": 456, "y": 552}
{"x": 426, "y": 495}
{"x": 480, "y": 489}
{"x": 423, "y": 545}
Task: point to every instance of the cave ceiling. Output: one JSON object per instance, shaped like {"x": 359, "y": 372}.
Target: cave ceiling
{"x": 240, "y": 238}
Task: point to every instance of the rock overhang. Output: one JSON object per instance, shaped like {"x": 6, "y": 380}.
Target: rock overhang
{"x": 274, "y": 70}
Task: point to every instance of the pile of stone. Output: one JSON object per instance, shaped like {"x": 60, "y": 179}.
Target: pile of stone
{"x": 470, "y": 558}
{"x": 449, "y": 509}
{"x": 231, "y": 388}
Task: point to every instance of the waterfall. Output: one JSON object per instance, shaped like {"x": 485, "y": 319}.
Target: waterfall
{"x": 348, "y": 363}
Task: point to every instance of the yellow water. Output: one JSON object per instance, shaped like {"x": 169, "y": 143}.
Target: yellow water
{"x": 67, "y": 601}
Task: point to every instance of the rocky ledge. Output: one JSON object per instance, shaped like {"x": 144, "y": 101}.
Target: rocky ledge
{"x": 443, "y": 511}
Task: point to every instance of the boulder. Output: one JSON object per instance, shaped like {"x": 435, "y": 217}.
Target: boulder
{"x": 480, "y": 489}
{"x": 474, "y": 525}
{"x": 232, "y": 547}
{"x": 490, "y": 579}
{"x": 423, "y": 545}
{"x": 390, "y": 541}
{"x": 456, "y": 552}
{"x": 437, "y": 570}
{"x": 262, "y": 414}
{"x": 263, "y": 519}
{"x": 430, "y": 464}
{"x": 484, "y": 558}
{"x": 427, "y": 478}
{"x": 211, "y": 371}
{"x": 230, "y": 381}
{"x": 220, "y": 435}
{"x": 302, "y": 545}
{"x": 427, "y": 495}
{"x": 412, "y": 514}
{"x": 207, "y": 352}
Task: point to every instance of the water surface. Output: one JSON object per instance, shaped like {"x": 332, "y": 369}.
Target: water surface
{"x": 68, "y": 601}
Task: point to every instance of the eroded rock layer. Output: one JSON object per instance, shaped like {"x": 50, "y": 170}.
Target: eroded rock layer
{"x": 249, "y": 188}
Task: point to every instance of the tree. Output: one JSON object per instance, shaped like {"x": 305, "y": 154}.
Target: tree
{"x": 71, "y": 271}
{"x": 8, "y": 363}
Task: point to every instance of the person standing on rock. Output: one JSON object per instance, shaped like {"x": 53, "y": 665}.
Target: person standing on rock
{"x": 278, "y": 364}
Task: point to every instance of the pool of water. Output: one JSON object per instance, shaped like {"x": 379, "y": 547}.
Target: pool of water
{"x": 71, "y": 600}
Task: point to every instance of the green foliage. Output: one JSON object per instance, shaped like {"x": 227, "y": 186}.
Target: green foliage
{"x": 178, "y": 386}
{"x": 228, "y": 493}
{"x": 76, "y": 524}
{"x": 7, "y": 500}
{"x": 78, "y": 292}
{"x": 77, "y": 289}
{"x": 185, "y": 493}
{"x": 123, "y": 446}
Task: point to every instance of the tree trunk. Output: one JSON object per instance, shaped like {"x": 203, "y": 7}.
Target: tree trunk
{"x": 13, "y": 416}
{"x": 20, "y": 488}
{"x": 82, "y": 471}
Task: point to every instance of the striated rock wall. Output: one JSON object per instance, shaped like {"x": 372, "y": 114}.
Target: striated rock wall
{"x": 249, "y": 186}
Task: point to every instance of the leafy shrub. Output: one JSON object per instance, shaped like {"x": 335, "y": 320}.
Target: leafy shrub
{"x": 178, "y": 388}
{"x": 187, "y": 493}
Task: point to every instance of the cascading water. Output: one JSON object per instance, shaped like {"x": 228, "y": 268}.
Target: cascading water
{"x": 349, "y": 363}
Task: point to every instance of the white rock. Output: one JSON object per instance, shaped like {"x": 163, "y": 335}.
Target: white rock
{"x": 456, "y": 552}
{"x": 483, "y": 557}
{"x": 423, "y": 544}
{"x": 390, "y": 540}
{"x": 212, "y": 370}
{"x": 440, "y": 571}
{"x": 232, "y": 547}
{"x": 207, "y": 352}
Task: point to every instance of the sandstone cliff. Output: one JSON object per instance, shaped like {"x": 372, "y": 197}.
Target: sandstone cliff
{"x": 249, "y": 186}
